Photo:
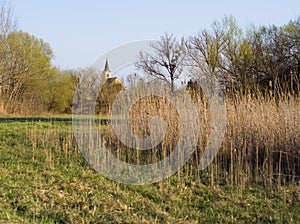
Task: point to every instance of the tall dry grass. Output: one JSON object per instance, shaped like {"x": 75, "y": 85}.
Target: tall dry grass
{"x": 261, "y": 144}
{"x": 2, "y": 108}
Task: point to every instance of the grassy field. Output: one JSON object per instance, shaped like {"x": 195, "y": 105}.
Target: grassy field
{"x": 44, "y": 179}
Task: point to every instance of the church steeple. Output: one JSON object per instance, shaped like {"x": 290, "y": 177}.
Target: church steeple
{"x": 106, "y": 68}
{"x": 106, "y": 72}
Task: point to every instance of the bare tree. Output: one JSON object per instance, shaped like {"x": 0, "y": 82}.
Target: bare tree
{"x": 88, "y": 92}
{"x": 7, "y": 22}
{"x": 7, "y": 26}
{"x": 166, "y": 63}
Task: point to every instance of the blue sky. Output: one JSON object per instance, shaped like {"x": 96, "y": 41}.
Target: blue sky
{"x": 80, "y": 31}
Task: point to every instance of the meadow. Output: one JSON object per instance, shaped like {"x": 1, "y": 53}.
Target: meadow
{"x": 254, "y": 178}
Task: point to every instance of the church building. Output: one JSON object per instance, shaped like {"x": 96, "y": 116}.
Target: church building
{"x": 111, "y": 86}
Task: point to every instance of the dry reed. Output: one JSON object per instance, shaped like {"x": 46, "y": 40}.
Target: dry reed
{"x": 261, "y": 143}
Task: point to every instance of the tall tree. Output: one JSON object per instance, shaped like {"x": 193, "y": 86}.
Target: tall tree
{"x": 7, "y": 26}
{"x": 167, "y": 61}
{"x": 219, "y": 51}
{"x": 28, "y": 60}
{"x": 277, "y": 55}
{"x": 87, "y": 88}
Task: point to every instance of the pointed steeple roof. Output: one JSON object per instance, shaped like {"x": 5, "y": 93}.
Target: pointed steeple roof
{"x": 106, "y": 68}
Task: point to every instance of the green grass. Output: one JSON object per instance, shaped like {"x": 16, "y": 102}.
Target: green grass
{"x": 44, "y": 179}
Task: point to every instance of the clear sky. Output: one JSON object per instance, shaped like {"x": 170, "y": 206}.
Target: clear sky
{"x": 81, "y": 30}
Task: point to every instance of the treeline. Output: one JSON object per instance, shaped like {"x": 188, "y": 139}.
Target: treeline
{"x": 264, "y": 59}
{"x": 28, "y": 82}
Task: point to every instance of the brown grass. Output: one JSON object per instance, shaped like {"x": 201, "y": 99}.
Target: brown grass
{"x": 262, "y": 141}
{"x": 261, "y": 144}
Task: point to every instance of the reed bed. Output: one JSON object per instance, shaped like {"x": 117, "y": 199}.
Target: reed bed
{"x": 261, "y": 145}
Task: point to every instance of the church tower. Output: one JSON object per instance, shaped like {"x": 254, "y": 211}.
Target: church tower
{"x": 106, "y": 74}
{"x": 110, "y": 87}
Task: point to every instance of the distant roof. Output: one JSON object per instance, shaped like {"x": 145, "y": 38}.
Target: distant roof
{"x": 110, "y": 80}
{"x": 113, "y": 81}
